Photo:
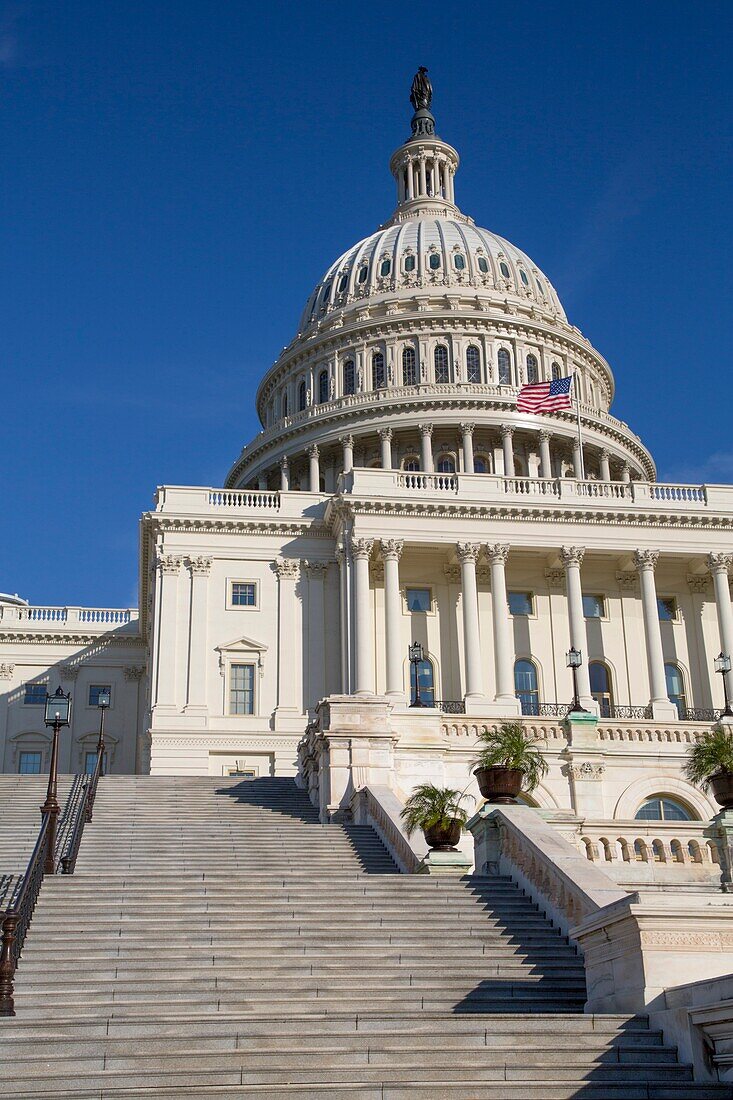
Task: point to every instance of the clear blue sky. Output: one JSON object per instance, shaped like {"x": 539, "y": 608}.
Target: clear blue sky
{"x": 176, "y": 175}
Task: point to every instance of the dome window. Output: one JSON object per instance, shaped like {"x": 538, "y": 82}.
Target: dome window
{"x": 504, "y": 269}
{"x": 411, "y": 464}
{"x": 302, "y": 397}
{"x": 379, "y": 380}
{"x": 540, "y": 286}
{"x": 323, "y": 387}
{"x": 459, "y": 261}
{"x": 343, "y": 283}
{"x": 556, "y": 371}
{"x": 533, "y": 372}
{"x": 523, "y": 277}
{"x": 385, "y": 268}
{"x": 505, "y": 367}
{"x": 473, "y": 364}
{"x": 326, "y": 295}
{"x": 349, "y": 377}
{"x": 440, "y": 358}
{"x": 483, "y": 265}
{"x": 446, "y": 465}
{"x": 363, "y": 272}
{"x": 434, "y": 261}
{"x": 284, "y": 404}
{"x": 409, "y": 263}
{"x": 409, "y": 373}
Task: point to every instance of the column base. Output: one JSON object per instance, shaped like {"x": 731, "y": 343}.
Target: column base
{"x": 664, "y": 711}
{"x": 503, "y": 708}
{"x": 476, "y": 704}
{"x": 445, "y": 863}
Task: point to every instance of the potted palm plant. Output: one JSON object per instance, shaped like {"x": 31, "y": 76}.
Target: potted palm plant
{"x": 710, "y": 764}
{"x": 437, "y": 811}
{"x": 507, "y": 762}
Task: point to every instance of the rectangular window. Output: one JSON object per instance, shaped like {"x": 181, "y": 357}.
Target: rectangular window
{"x": 29, "y": 763}
{"x": 243, "y": 594}
{"x": 419, "y": 599}
{"x": 94, "y": 693}
{"x": 90, "y": 762}
{"x": 594, "y": 607}
{"x": 35, "y": 694}
{"x": 667, "y": 606}
{"x": 242, "y": 689}
{"x": 520, "y": 603}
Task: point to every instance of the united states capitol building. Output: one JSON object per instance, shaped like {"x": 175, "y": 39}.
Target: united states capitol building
{"x": 395, "y": 495}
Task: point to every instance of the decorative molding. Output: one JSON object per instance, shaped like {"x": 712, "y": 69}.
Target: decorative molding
{"x": 426, "y": 429}
{"x": 498, "y": 552}
{"x": 170, "y": 564}
{"x": 646, "y": 559}
{"x": 555, "y": 578}
{"x": 452, "y": 573}
{"x": 468, "y": 429}
{"x": 719, "y": 563}
{"x": 134, "y": 672}
{"x": 376, "y": 571}
{"x": 586, "y": 770}
{"x": 286, "y": 567}
{"x": 572, "y": 555}
{"x": 627, "y": 581}
{"x": 391, "y": 549}
{"x": 506, "y": 430}
{"x": 316, "y": 570}
{"x": 483, "y": 574}
{"x": 71, "y": 639}
{"x": 6, "y": 671}
{"x": 200, "y": 566}
{"x": 362, "y": 548}
{"x": 385, "y": 433}
{"x": 698, "y": 582}
{"x": 468, "y": 551}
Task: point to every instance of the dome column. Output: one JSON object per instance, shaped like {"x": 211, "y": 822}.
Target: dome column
{"x": 605, "y": 466}
{"x": 507, "y": 444}
{"x": 626, "y": 473}
{"x": 284, "y": 475}
{"x": 315, "y": 469}
{"x": 361, "y": 550}
{"x": 578, "y": 471}
{"x": 391, "y": 554}
{"x": 467, "y": 434}
{"x": 646, "y": 562}
{"x": 545, "y": 457}
{"x": 347, "y": 442}
{"x": 385, "y": 437}
{"x": 262, "y": 482}
{"x": 426, "y": 448}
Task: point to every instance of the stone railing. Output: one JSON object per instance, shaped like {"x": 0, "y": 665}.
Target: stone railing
{"x": 655, "y": 854}
{"x": 437, "y": 483}
{"x": 234, "y": 503}
{"x": 244, "y": 498}
{"x": 380, "y": 807}
{"x": 67, "y": 618}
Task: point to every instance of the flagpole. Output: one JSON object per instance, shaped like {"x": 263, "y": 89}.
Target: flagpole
{"x": 580, "y": 433}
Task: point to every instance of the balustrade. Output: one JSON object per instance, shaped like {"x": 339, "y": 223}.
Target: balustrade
{"x": 675, "y": 843}
{"x": 244, "y": 498}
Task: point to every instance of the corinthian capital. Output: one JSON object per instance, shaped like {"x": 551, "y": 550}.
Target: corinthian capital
{"x": 313, "y": 451}
{"x": 499, "y": 552}
{"x": 426, "y": 429}
{"x": 392, "y": 549}
{"x": 572, "y": 555}
{"x": 468, "y": 551}
{"x": 362, "y": 548}
{"x": 646, "y": 559}
{"x": 286, "y": 567}
{"x": 200, "y": 566}
{"x": 719, "y": 563}
{"x": 170, "y": 564}
{"x": 468, "y": 429}
{"x": 507, "y": 429}
{"x": 385, "y": 433}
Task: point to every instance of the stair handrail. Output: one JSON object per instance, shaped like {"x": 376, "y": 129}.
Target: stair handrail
{"x": 84, "y": 815}
{"x": 18, "y": 917}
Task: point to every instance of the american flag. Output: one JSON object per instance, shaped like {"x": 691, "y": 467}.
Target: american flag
{"x": 542, "y": 397}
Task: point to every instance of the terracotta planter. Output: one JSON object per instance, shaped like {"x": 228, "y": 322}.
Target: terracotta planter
{"x": 722, "y": 784}
{"x": 443, "y": 838}
{"x": 498, "y": 784}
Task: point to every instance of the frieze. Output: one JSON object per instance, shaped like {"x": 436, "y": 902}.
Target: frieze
{"x": 698, "y": 582}
{"x": 6, "y": 671}
{"x": 69, "y": 672}
{"x": 587, "y": 771}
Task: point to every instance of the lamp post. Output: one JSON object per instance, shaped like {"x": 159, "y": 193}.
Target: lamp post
{"x": 723, "y": 665}
{"x": 58, "y": 714}
{"x": 103, "y": 701}
{"x": 416, "y": 656}
{"x": 574, "y": 660}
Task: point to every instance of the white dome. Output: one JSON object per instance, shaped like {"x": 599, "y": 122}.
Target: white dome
{"x": 430, "y": 253}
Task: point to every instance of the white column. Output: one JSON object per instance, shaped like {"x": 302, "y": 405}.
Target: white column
{"x": 719, "y": 564}
{"x": 169, "y": 566}
{"x": 605, "y": 466}
{"x": 468, "y": 553}
{"x": 316, "y": 572}
{"x": 315, "y": 469}
{"x": 199, "y": 567}
{"x": 385, "y": 436}
{"x": 361, "y": 550}
{"x": 467, "y": 432}
{"x": 423, "y": 182}
{"x": 626, "y": 473}
{"x": 284, "y": 475}
{"x": 507, "y": 443}
{"x": 410, "y": 181}
{"x": 503, "y": 642}
{"x": 394, "y": 656}
{"x": 288, "y": 680}
{"x": 577, "y": 460}
{"x": 545, "y": 457}
{"x": 426, "y": 448}
{"x": 646, "y": 561}
{"x": 347, "y": 442}
{"x": 572, "y": 557}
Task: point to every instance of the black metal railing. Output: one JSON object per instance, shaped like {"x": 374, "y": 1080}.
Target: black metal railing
{"x": 450, "y": 706}
{"x": 83, "y": 816}
{"x": 611, "y": 710}
{"x": 699, "y": 714}
{"x": 18, "y": 917}
{"x": 548, "y": 710}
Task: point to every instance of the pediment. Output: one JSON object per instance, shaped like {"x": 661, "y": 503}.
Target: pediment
{"x": 242, "y": 645}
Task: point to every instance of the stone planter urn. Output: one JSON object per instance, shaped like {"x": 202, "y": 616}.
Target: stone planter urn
{"x": 722, "y": 785}
{"x": 498, "y": 784}
{"x": 443, "y": 838}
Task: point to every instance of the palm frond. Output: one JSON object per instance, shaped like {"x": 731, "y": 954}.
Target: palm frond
{"x": 430, "y": 805}
{"x": 712, "y": 753}
{"x": 511, "y": 745}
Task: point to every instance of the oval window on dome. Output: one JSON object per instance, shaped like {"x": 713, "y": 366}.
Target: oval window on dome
{"x": 363, "y": 272}
{"x": 409, "y": 263}
{"x": 483, "y": 265}
{"x": 459, "y": 261}
{"x": 504, "y": 269}
{"x": 385, "y": 268}
{"x": 343, "y": 283}
{"x": 434, "y": 261}
{"x": 523, "y": 277}
{"x": 540, "y": 285}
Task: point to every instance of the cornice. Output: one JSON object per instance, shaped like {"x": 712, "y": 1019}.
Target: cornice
{"x": 291, "y": 528}
{"x": 50, "y": 637}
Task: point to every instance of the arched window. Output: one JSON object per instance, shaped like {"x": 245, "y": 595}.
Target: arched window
{"x": 459, "y": 261}
{"x": 326, "y": 295}
{"x": 483, "y": 265}
{"x": 473, "y": 364}
{"x": 556, "y": 371}
{"x": 533, "y": 371}
{"x": 323, "y": 387}
{"x": 409, "y": 375}
{"x": 600, "y": 687}
{"x": 504, "y": 269}
{"x": 411, "y": 464}
{"x": 504, "y": 364}
{"x": 525, "y": 686}
{"x": 481, "y": 464}
{"x": 540, "y": 286}
{"x": 440, "y": 357}
{"x": 446, "y": 465}
{"x": 302, "y": 396}
{"x": 284, "y": 404}
{"x": 363, "y": 272}
{"x": 660, "y": 807}
{"x": 409, "y": 263}
{"x": 427, "y": 682}
{"x": 523, "y": 277}
{"x": 343, "y": 283}
{"x": 434, "y": 261}
{"x": 386, "y": 267}
{"x": 379, "y": 379}
{"x": 349, "y": 376}
{"x": 676, "y": 687}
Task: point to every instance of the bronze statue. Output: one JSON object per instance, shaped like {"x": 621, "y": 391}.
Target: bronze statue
{"x": 421, "y": 93}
